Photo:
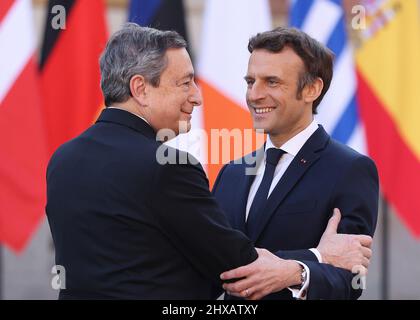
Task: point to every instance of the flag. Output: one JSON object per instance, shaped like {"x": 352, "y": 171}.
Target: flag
{"x": 338, "y": 112}
{"x": 159, "y": 14}
{"x": 70, "y": 76}
{"x": 169, "y": 15}
{"x": 388, "y": 68}
{"x": 22, "y": 137}
{"x": 222, "y": 65}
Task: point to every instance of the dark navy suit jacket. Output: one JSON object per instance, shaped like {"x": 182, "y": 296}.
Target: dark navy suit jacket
{"x": 324, "y": 174}
{"x": 126, "y": 227}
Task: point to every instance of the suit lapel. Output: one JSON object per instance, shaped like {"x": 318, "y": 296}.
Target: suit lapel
{"x": 307, "y": 156}
{"x": 247, "y": 174}
{"x": 241, "y": 199}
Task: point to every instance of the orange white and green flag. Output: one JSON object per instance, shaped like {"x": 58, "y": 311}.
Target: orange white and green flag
{"x": 222, "y": 65}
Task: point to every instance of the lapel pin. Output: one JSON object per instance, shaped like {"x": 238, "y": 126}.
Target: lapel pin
{"x": 303, "y": 161}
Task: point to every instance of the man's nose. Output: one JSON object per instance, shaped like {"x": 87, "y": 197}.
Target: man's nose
{"x": 255, "y": 92}
{"x": 196, "y": 98}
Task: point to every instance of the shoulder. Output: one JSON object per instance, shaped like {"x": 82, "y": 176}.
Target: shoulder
{"x": 110, "y": 148}
{"x": 348, "y": 159}
{"x": 248, "y": 160}
{"x": 230, "y": 172}
{"x": 345, "y": 154}
{"x": 177, "y": 166}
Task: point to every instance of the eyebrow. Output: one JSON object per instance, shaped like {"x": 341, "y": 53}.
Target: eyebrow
{"x": 272, "y": 78}
{"x": 189, "y": 75}
{"x": 266, "y": 78}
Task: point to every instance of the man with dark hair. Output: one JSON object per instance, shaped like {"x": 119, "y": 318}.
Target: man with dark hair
{"x": 302, "y": 175}
{"x": 126, "y": 224}
{"x": 317, "y": 59}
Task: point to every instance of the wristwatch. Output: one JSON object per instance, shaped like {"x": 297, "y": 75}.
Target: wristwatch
{"x": 303, "y": 276}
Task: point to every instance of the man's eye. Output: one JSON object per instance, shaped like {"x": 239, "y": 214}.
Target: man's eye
{"x": 272, "y": 82}
{"x": 249, "y": 82}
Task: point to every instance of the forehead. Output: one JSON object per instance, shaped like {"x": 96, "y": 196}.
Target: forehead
{"x": 178, "y": 63}
{"x": 266, "y": 63}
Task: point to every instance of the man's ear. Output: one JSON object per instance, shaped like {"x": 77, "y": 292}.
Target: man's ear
{"x": 313, "y": 90}
{"x": 138, "y": 89}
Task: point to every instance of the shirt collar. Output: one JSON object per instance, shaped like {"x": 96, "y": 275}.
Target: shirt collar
{"x": 293, "y": 145}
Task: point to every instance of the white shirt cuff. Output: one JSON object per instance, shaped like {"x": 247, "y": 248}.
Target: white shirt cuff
{"x": 317, "y": 254}
{"x": 302, "y": 292}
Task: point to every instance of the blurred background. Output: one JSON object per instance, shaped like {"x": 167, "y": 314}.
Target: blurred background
{"x": 49, "y": 93}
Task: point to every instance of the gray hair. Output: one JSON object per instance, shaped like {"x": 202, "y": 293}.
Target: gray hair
{"x": 134, "y": 50}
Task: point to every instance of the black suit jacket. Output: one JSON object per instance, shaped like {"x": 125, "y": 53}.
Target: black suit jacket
{"x": 125, "y": 226}
{"x": 324, "y": 174}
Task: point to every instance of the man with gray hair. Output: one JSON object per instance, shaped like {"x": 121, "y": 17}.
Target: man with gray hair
{"x": 125, "y": 226}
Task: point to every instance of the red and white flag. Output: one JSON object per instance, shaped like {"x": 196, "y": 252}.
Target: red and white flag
{"x": 22, "y": 137}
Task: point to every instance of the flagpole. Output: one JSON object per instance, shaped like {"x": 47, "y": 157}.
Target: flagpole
{"x": 385, "y": 251}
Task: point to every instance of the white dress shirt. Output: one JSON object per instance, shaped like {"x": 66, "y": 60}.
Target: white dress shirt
{"x": 291, "y": 148}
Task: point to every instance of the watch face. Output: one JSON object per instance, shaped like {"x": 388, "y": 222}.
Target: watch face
{"x": 303, "y": 276}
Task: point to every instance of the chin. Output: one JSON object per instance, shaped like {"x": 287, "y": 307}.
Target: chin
{"x": 184, "y": 131}
{"x": 184, "y": 127}
{"x": 260, "y": 126}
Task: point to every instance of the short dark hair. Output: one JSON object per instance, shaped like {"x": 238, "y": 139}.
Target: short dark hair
{"x": 134, "y": 50}
{"x": 317, "y": 59}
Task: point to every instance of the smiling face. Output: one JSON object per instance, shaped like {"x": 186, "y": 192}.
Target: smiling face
{"x": 176, "y": 96}
{"x": 272, "y": 81}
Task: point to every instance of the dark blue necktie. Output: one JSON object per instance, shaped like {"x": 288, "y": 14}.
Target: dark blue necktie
{"x": 258, "y": 204}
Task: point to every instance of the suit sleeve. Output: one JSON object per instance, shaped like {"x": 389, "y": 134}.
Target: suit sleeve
{"x": 356, "y": 195}
{"x": 300, "y": 254}
{"x": 189, "y": 215}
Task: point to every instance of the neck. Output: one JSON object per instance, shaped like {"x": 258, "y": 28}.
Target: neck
{"x": 129, "y": 106}
{"x": 279, "y": 139}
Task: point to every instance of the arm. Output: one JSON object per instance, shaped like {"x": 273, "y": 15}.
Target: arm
{"x": 190, "y": 217}
{"x": 270, "y": 273}
{"x": 300, "y": 254}
{"x": 356, "y": 194}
